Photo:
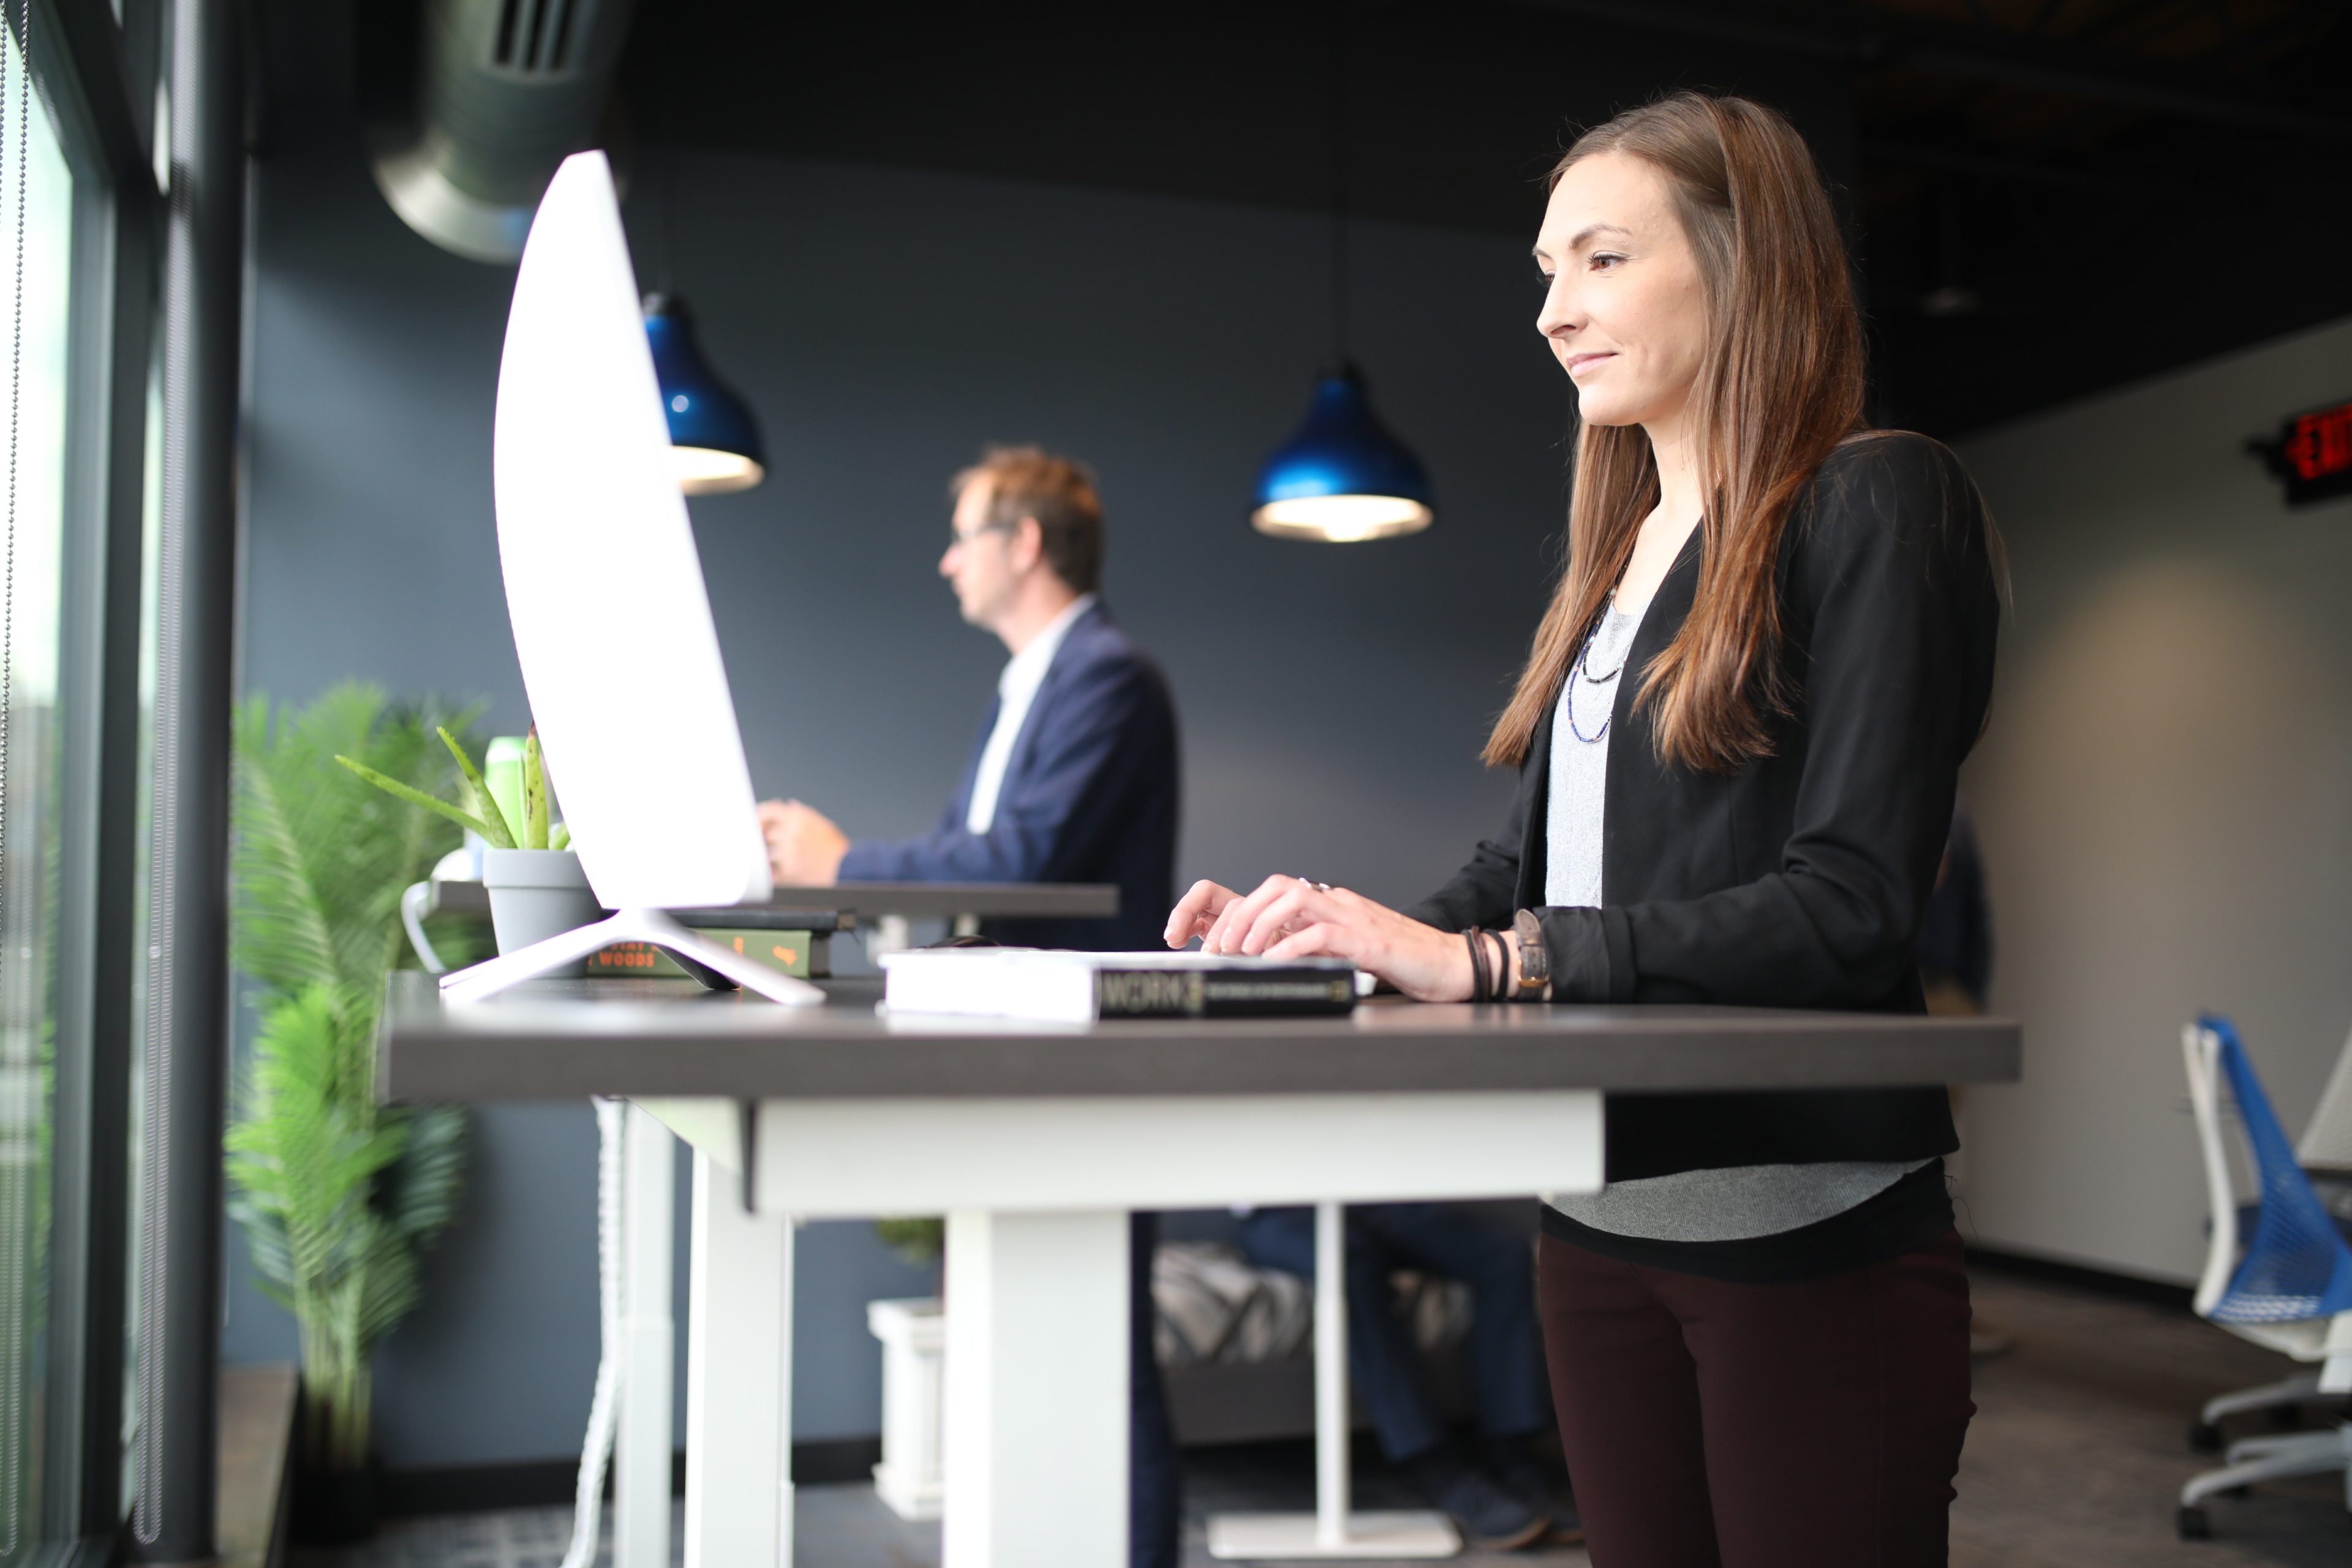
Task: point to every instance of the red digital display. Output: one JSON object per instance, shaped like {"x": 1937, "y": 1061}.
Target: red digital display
{"x": 2318, "y": 445}
{"x": 2313, "y": 454}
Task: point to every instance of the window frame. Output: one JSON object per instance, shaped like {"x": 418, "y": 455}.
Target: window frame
{"x": 83, "y": 64}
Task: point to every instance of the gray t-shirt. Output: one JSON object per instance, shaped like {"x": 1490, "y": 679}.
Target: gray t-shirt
{"x": 1725, "y": 1205}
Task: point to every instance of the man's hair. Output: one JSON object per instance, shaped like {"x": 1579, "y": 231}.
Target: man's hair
{"x": 1059, "y": 492}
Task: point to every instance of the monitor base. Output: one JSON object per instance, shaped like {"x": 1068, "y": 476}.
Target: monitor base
{"x": 706, "y": 959}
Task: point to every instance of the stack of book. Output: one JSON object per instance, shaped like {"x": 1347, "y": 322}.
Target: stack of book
{"x": 1055, "y": 986}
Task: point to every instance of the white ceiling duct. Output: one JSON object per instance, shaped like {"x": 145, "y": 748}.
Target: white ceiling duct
{"x": 506, "y": 91}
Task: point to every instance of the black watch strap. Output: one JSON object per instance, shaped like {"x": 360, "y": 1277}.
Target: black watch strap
{"x": 1535, "y": 958}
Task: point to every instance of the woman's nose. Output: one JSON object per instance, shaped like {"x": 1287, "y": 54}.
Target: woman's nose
{"x": 1559, "y": 313}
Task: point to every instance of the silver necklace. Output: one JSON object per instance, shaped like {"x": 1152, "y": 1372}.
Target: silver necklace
{"x": 1580, "y": 672}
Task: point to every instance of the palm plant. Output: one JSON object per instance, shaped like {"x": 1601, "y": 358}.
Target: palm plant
{"x": 338, "y": 1196}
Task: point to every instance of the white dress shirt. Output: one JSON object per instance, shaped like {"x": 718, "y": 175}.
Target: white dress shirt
{"x": 1016, "y": 692}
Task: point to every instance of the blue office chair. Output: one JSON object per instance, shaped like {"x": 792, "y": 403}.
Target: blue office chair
{"x": 2326, "y": 1155}
{"x": 2291, "y": 1288}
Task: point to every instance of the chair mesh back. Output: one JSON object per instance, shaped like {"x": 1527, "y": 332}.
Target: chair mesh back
{"x": 2327, "y": 1142}
{"x": 2296, "y": 1265}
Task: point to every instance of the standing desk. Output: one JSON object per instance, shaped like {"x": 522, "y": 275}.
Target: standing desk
{"x": 1035, "y": 1140}
{"x": 643, "y": 1443}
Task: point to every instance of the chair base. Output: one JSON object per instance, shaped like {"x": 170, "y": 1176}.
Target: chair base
{"x": 2285, "y": 1394}
{"x": 2266, "y": 1460}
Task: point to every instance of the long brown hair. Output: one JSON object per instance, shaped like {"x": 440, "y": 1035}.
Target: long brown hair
{"x": 1780, "y": 385}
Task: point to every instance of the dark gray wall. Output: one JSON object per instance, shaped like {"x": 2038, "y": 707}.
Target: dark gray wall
{"x": 884, "y": 324}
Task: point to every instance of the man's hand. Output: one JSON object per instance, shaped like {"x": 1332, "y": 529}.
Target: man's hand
{"x": 805, "y": 848}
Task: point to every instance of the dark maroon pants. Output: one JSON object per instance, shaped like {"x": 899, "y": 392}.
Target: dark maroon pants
{"x": 1812, "y": 1424}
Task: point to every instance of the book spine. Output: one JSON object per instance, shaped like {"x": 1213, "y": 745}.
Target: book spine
{"x": 1193, "y": 993}
{"x": 802, "y": 955}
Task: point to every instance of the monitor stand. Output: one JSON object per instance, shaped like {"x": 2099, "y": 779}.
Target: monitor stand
{"x": 707, "y": 960}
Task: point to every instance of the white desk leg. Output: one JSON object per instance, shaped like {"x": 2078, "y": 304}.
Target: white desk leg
{"x": 739, "y": 1342}
{"x": 641, "y": 1467}
{"x": 1331, "y": 1532}
{"x": 1036, "y": 1396}
{"x": 1333, "y": 1430}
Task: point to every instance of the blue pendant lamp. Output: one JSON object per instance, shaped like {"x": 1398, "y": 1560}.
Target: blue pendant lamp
{"x": 1341, "y": 477}
{"x": 714, "y": 440}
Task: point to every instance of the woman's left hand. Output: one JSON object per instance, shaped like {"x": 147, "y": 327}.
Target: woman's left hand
{"x": 1288, "y": 918}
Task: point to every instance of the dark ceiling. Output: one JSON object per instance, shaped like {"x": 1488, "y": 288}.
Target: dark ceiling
{"x": 2048, "y": 196}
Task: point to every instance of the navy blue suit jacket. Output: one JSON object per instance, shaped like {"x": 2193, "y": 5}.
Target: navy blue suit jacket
{"x": 1089, "y": 796}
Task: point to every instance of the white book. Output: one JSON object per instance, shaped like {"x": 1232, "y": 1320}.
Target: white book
{"x": 1055, "y": 985}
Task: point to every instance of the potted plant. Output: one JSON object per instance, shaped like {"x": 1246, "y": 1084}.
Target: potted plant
{"x": 913, "y": 1331}
{"x": 337, "y": 1195}
{"x": 537, "y": 889}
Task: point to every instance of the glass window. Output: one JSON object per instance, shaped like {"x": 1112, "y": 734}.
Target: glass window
{"x": 36, "y": 256}
{"x": 151, "y": 534}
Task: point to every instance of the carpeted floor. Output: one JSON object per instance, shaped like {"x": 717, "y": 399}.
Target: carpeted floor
{"x": 2078, "y": 1450}
{"x": 2080, "y": 1444}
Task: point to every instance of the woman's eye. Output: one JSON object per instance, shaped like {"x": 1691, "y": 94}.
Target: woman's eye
{"x": 1602, "y": 260}
{"x": 1547, "y": 278}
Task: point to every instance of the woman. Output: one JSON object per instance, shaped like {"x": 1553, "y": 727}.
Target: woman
{"x": 1736, "y": 734}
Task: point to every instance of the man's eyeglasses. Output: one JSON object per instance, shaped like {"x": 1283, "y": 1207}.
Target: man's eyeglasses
{"x": 958, "y": 537}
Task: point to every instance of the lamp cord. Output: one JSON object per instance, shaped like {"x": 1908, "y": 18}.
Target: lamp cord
{"x": 668, "y": 218}
{"x": 1339, "y": 180}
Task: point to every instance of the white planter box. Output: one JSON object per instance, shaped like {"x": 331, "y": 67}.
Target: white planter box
{"x": 914, "y": 1336}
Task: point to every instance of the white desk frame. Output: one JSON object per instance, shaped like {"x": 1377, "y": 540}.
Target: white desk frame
{"x": 1036, "y": 1420}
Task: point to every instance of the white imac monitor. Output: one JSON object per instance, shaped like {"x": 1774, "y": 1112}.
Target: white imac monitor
{"x": 611, "y": 618}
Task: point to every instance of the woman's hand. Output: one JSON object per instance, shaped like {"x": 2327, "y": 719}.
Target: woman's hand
{"x": 1290, "y": 918}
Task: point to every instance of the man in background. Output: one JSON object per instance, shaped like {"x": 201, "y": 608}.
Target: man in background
{"x": 1074, "y": 779}
{"x": 1074, "y": 776}
{"x": 1502, "y": 1493}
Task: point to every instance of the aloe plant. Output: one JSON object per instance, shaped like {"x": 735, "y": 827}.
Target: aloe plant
{"x": 337, "y": 1195}
{"x": 476, "y": 807}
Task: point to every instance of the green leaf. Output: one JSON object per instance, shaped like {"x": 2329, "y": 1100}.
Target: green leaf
{"x": 504, "y": 837}
{"x": 417, "y": 1194}
{"x": 283, "y": 938}
{"x": 534, "y": 791}
{"x": 418, "y": 797}
{"x": 918, "y": 1240}
{"x": 321, "y": 855}
{"x": 562, "y": 838}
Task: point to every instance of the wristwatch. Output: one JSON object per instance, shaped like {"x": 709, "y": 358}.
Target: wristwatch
{"x": 1535, "y": 958}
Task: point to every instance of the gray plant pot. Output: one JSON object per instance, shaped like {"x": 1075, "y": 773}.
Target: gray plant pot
{"x": 536, "y": 894}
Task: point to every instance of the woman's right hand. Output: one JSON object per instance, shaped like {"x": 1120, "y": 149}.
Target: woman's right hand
{"x": 1289, "y": 917}
{"x": 1196, "y": 912}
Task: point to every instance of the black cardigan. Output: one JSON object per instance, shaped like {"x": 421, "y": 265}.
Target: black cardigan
{"x": 1799, "y": 880}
